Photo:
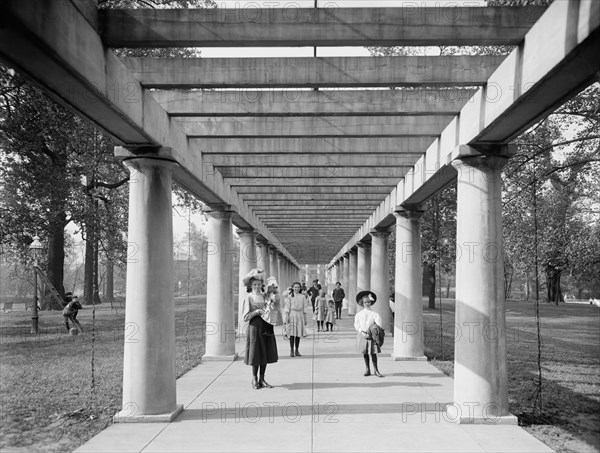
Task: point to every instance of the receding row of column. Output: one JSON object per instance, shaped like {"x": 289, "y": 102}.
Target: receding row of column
{"x": 149, "y": 373}
{"x": 480, "y": 377}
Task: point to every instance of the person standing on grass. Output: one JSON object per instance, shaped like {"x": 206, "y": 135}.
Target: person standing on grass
{"x": 70, "y": 313}
{"x": 338, "y": 298}
{"x": 294, "y": 318}
{"x": 261, "y": 347}
{"x": 366, "y": 322}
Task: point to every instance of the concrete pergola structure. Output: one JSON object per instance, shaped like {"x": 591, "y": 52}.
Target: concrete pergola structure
{"x": 311, "y": 176}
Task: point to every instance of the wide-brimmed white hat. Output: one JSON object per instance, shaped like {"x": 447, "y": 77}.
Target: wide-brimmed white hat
{"x": 254, "y": 274}
{"x": 272, "y": 281}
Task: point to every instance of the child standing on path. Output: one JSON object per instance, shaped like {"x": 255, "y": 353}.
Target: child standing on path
{"x": 320, "y": 310}
{"x": 330, "y": 316}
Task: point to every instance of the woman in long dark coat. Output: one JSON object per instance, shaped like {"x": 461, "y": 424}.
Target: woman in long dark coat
{"x": 261, "y": 347}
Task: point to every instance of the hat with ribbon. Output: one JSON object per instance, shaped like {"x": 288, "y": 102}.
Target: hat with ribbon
{"x": 370, "y": 294}
{"x": 271, "y": 281}
{"x": 254, "y": 274}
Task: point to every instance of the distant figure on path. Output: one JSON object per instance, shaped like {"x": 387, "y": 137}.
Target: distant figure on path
{"x": 338, "y": 295}
{"x": 261, "y": 347}
{"x": 294, "y": 318}
{"x": 366, "y": 323}
{"x": 313, "y": 292}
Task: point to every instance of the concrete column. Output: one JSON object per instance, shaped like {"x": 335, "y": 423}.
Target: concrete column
{"x": 363, "y": 269}
{"x": 149, "y": 354}
{"x": 337, "y": 272}
{"x": 480, "y": 376}
{"x": 380, "y": 279}
{"x": 262, "y": 257}
{"x": 280, "y": 275}
{"x": 220, "y": 321}
{"x": 408, "y": 322}
{"x": 345, "y": 282}
{"x": 273, "y": 263}
{"x": 353, "y": 282}
{"x": 247, "y": 262}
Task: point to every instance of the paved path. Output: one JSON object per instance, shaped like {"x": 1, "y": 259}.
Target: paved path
{"x": 321, "y": 402}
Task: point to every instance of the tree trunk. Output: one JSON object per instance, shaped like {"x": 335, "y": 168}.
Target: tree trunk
{"x": 429, "y": 283}
{"x": 96, "y": 270}
{"x": 553, "y": 280}
{"x": 88, "y": 275}
{"x": 527, "y": 287}
{"x": 56, "y": 261}
{"x": 110, "y": 281}
{"x": 448, "y": 289}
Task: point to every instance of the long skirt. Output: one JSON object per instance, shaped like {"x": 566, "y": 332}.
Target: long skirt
{"x": 364, "y": 346}
{"x": 261, "y": 346}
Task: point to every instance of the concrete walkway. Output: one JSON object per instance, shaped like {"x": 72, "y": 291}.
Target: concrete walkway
{"x": 321, "y": 402}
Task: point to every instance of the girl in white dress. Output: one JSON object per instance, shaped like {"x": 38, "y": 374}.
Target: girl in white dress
{"x": 294, "y": 318}
{"x": 363, "y": 320}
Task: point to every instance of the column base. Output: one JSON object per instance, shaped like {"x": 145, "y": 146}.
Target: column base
{"x": 421, "y": 358}
{"x": 508, "y": 419}
{"x": 220, "y": 358}
{"x": 125, "y": 416}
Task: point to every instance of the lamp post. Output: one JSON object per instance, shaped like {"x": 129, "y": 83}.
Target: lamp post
{"x": 35, "y": 247}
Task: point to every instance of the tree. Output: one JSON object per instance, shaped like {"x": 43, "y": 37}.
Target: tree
{"x": 47, "y": 152}
{"x": 550, "y": 192}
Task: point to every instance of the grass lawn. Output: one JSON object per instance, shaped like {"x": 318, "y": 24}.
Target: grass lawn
{"x": 46, "y": 402}
{"x": 570, "y": 416}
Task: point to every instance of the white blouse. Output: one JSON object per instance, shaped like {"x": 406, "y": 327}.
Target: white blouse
{"x": 364, "y": 318}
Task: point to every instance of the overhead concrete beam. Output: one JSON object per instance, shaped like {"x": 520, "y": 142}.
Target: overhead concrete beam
{"x": 55, "y": 44}
{"x": 296, "y": 174}
{"x": 328, "y": 102}
{"x": 255, "y": 205}
{"x": 560, "y": 56}
{"x": 255, "y": 198}
{"x": 326, "y": 26}
{"x": 358, "y": 126}
{"x": 389, "y": 182}
{"x": 310, "y": 72}
{"x": 310, "y": 189}
{"x": 311, "y": 145}
{"x": 372, "y": 159}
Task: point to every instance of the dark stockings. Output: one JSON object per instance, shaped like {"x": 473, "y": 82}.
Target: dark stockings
{"x": 294, "y": 342}
{"x": 368, "y": 368}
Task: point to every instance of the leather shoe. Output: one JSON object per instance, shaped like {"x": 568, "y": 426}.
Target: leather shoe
{"x": 291, "y": 353}
{"x": 377, "y": 373}
{"x": 255, "y": 384}
{"x": 298, "y": 354}
{"x": 367, "y": 373}
{"x": 264, "y": 383}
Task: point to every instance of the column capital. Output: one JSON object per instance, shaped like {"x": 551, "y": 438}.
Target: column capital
{"x": 363, "y": 245}
{"x": 481, "y": 162}
{"x": 139, "y": 162}
{"x": 410, "y": 213}
{"x": 221, "y": 214}
{"x": 250, "y": 232}
{"x": 353, "y": 250}
{"x": 380, "y": 233}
